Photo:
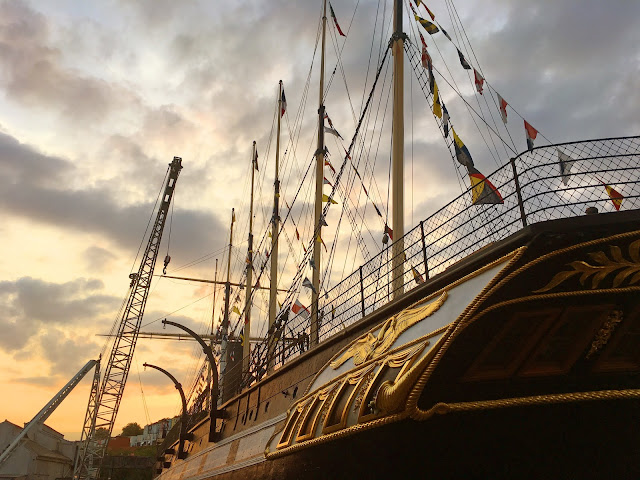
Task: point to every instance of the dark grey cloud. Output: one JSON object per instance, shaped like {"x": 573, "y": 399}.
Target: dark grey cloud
{"x": 33, "y": 307}
{"x": 32, "y": 70}
{"x": 36, "y": 186}
{"x": 66, "y": 353}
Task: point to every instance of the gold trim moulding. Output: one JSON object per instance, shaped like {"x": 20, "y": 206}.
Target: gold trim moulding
{"x": 548, "y": 399}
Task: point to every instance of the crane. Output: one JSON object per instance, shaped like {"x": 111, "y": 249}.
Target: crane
{"x": 49, "y": 408}
{"x": 103, "y": 406}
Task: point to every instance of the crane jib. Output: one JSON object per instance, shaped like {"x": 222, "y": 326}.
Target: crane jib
{"x": 119, "y": 362}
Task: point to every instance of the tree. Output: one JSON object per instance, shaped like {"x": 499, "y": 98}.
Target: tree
{"x": 132, "y": 429}
{"x": 101, "y": 434}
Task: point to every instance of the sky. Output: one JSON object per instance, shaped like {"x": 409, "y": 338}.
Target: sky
{"x": 97, "y": 97}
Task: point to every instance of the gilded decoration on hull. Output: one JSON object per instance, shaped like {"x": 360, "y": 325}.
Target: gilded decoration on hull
{"x": 605, "y": 266}
{"x": 370, "y": 346}
{"x": 605, "y": 332}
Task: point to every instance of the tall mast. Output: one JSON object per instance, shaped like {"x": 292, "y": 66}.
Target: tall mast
{"x": 225, "y": 321}
{"x": 247, "y": 308}
{"x": 397, "y": 153}
{"x": 213, "y": 321}
{"x": 275, "y": 226}
{"x": 315, "y": 324}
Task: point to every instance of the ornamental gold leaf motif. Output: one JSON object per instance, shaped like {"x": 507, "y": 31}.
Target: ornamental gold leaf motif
{"x": 370, "y": 346}
{"x": 604, "y": 266}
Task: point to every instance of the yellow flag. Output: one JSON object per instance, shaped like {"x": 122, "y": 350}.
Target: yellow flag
{"x": 437, "y": 109}
{"x": 235, "y": 310}
{"x": 326, "y": 199}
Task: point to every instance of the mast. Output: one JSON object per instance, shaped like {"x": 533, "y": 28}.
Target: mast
{"x": 246, "y": 350}
{"x": 315, "y": 323}
{"x": 213, "y": 321}
{"x": 397, "y": 153}
{"x": 275, "y": 226}
{"x": 225, "y": 321}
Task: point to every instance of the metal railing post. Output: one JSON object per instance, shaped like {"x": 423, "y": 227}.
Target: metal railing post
{"x": 424, "y": 251}
{"x": 523, "y": 215}
{"x": 361, "y": 292}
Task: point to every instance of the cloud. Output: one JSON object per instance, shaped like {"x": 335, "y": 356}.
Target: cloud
{"x": 33, "y": 71}
{"x": 67, "y": 352}
{"x": 36, "y": 186}
{"x": 33, "y": 306}
{"x": 98, "y": 258}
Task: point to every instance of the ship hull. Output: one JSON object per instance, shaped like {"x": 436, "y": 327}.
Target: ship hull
{"x": 520, "y": 361}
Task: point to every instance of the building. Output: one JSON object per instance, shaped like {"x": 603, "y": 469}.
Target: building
{"x": 43, "y": 454}
{"x": 153, "y": 432}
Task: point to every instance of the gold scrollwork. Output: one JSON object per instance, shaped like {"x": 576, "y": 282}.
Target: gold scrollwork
{"x": 605, "y": 332}
{"x": 370, "y": 346}
{"x": 606, "y": 266}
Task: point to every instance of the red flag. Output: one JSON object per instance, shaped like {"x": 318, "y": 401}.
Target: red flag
{"x": 388, "y": 231}
{"x": 297, "y": 234}
{"x": 424, "y": 44}
{"x": 503, "y": 108}
{"x": 615, "y": 196}
{"x": 532, "y": 133}
{"x": 283, "y": 104}
{"x": 300, "y": 309}
{"x": 327, "y": 163}
{"x": 335, "y": 20}
{"x": 479, "y": 79}
{"x": 255, "y": 162}
{"x": 433, "y": 17}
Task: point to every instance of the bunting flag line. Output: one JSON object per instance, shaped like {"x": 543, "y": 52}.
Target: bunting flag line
{"x": 615, "y": 196}
{"x": 463, "y": 61}
{"x": 565, "y": 162}
{"x": 323, "y": 222}
{"x": 446, "y": 34}
{"x": 431, "y": 28}
{"x": 242, "y": 337}
{"x": 319, "y": 240}
{"x": 532, "y": 133}
{"x": 445, "y": 120}
{"x": 326, "y": 182}
{"x": 433, "y": 17}
{"x": 503, "y": 108}
{"x": 283, "y": 104}
{"x": 235, "y": 310}
{"x": 332, "y": 131}
{"x": 388, "y": 231}
{"x": 326, "y": 116}
{"x": 300, "y": 309}
{"x": 416, "y": 276}
{"x": 482, "y": 190}
{"x": 377, "y": 211}
{"x": 255, "y": 162}
{"x": 428, "y": 64}
{"x": 437, "y": 109}
{"x": 327, "y": 163}
{"x": 424, "y": 43}
{"x": 462, "y": 152}
{"x": 326, "y": 198}
{"x": 297, "y": 234}
{"x": 335, "y": 20}
{"x": 479, "y": 80}
{"x": 307, "y": 283}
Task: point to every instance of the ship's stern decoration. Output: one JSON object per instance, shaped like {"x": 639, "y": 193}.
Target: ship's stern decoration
{"x": 367, "y": 383}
